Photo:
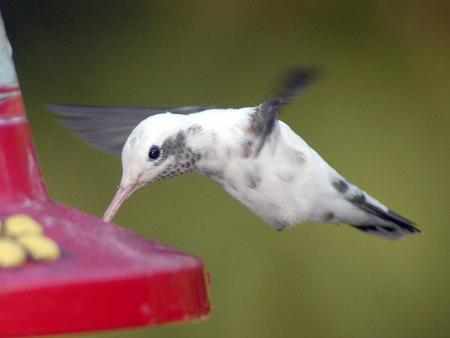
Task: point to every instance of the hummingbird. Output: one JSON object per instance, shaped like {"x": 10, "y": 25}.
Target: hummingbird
{"x": 250, "y": 152}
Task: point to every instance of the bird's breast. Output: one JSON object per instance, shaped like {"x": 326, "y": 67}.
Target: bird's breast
{"x": 275, "y": 191}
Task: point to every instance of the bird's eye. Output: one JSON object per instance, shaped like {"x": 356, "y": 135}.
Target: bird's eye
{"x": 154, "y": 153}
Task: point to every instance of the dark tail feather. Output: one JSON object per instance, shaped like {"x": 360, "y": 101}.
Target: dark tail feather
{"x": 394, "y": 226}
{"x": 386, "y": 231}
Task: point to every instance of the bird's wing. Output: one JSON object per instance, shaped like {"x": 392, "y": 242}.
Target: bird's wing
{"x": 266, "y": 114}
{"x": 107, "y": 128}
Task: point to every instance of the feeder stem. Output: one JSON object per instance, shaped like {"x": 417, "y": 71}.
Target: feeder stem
{"x": 20, "y": 177}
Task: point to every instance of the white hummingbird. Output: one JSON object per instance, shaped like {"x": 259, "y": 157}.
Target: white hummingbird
{"x": 253, "y": 155}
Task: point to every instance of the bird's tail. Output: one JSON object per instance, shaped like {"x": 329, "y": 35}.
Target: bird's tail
{"x": 387, "y": 223}
{"x": 366, "y": 214}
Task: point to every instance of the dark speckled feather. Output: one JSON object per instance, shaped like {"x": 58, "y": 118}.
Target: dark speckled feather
{"x": 266, "y": 114}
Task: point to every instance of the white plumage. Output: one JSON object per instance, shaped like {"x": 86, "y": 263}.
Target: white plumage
{"x": 254, "y": 156}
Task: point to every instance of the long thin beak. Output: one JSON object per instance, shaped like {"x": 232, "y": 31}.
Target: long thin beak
{"x": 121, "y": 195}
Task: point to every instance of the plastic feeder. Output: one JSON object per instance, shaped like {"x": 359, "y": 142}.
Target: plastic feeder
{"x": 107, "y": 277}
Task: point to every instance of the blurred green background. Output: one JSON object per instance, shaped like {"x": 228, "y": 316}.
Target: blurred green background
{"x": 379, "y": 115}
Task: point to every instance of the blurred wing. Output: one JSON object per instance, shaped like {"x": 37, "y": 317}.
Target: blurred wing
{"x": 107, "y": 128}
{"x": 266, "y": 114}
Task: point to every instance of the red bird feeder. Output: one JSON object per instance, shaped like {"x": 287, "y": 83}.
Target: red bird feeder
{"x": 106, "y": 277}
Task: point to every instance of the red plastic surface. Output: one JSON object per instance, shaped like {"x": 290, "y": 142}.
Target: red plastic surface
{"x": 107, "y": 277}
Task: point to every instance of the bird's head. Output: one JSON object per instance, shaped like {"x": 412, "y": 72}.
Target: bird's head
{"x": 156, "y": 149}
